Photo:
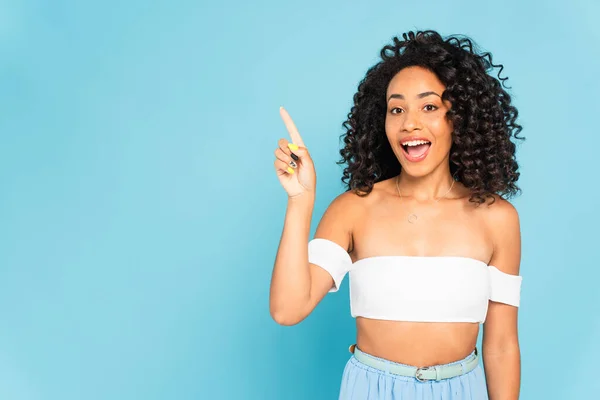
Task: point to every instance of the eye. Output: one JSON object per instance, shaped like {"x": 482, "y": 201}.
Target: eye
{"x": 393, "y": 110}
{"x": 430, "y": 107}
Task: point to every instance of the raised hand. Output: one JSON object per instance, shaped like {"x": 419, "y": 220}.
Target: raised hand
{"x": 293, "y": 164}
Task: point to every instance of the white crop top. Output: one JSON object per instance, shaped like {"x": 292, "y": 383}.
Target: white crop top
{"x": 414, "y": 288}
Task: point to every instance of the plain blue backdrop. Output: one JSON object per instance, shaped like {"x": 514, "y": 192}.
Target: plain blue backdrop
{"x": 140, "y": 213}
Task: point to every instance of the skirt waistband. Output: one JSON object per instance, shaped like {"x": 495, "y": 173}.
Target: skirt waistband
{"x": 422, "y": 374}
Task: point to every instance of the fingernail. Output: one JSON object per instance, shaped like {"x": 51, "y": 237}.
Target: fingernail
{"x": 290, "y": 170}
{"x": 292, "y": 146}
{"x": 293, "y": 164}
{"x": 295, "y": 157}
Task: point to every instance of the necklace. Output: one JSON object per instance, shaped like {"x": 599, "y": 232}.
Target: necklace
{"x": 412, "y": 217}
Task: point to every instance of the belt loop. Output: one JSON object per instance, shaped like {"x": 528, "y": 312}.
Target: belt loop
{"x": 352, "y": 348}
{"x": 438, "y": 375}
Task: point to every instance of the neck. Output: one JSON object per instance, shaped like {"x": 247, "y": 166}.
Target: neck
{"x": 428, "y": 187}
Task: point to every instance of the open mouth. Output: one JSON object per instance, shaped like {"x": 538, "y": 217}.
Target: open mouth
{"x": 416, "y": 150}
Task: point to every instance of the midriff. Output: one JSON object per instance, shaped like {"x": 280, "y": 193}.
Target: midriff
{"x": 416, "y": 343}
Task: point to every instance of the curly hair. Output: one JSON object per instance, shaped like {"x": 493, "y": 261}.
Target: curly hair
{"x": 482, "y": 155}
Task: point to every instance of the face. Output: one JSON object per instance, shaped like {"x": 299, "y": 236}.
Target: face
{"x": 415, "y": 123}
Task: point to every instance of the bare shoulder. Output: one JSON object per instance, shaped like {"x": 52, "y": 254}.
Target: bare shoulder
{"x": 502, "y": 220}
{"x": 339, "y": 219}
{"x": 501, "y": 213}
{"x": 346, "y": 204}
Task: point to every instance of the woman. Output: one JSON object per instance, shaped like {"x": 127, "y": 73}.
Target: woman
{"x": 431, "y": 244}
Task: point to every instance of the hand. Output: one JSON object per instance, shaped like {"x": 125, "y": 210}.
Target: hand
{"x": 296, "y": 172}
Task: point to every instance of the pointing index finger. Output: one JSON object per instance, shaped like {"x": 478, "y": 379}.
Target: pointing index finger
{"x": 291, "y": 127}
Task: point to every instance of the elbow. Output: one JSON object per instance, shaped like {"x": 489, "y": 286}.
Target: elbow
{"x": 501, "y": 348}
{"x": 285, "y": 318}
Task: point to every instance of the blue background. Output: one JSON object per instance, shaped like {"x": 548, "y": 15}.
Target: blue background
{"x": 140, "y": 213}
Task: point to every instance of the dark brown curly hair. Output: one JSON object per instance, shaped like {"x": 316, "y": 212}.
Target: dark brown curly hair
{"x": 482, "y": 155}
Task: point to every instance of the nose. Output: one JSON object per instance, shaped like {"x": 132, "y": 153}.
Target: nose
{"x": 411, "y": 121}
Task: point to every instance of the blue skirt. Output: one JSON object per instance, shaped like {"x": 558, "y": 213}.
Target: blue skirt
{"x": 363, "y": 382}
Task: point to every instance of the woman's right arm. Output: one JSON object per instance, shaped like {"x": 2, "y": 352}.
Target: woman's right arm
{"x": 296, "y": 285}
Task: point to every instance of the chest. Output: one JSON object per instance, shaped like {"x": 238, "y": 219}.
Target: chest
{"x": 412, "y": 229}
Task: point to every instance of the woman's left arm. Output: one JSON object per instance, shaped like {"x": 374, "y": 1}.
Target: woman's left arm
{"x": 501, "y": 353}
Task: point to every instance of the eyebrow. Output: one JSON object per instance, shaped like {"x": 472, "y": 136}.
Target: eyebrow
{"x": 419, "y": 96}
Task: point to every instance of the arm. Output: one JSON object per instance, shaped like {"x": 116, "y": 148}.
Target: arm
{"x": 296, "y": 285}
{"x": 501, "y": 353}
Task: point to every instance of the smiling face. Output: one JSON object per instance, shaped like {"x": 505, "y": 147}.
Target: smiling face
{"x": 415, "y": 123}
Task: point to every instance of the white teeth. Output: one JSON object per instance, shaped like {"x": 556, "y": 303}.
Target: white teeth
{"x": 415, "y": 142}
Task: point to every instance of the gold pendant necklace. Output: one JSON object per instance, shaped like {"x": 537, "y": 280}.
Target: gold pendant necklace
{"x": 412, "y": 217}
